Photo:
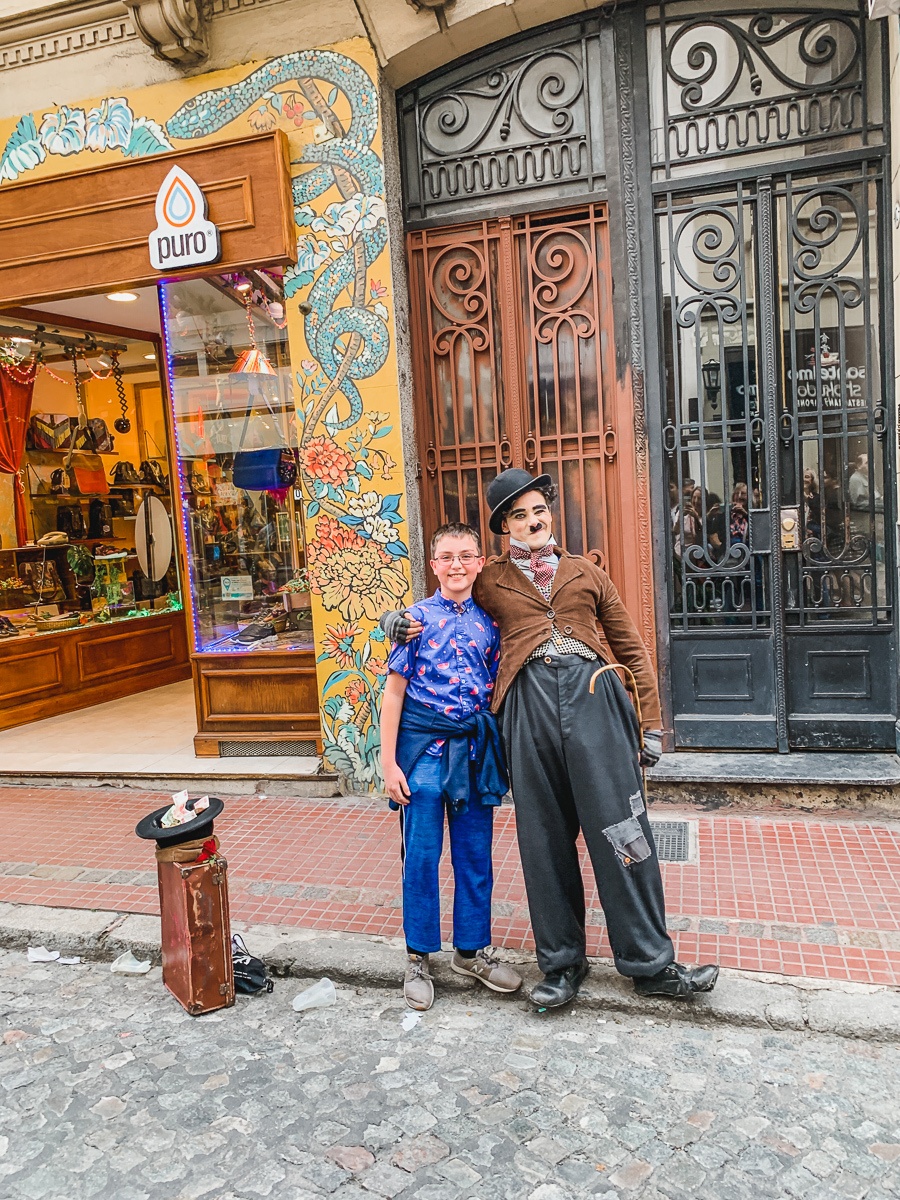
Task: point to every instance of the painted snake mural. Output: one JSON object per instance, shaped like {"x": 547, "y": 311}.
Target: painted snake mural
{"x": 347, "y": 155}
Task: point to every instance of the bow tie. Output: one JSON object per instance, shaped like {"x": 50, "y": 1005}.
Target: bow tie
{"x": 539, "y": 562}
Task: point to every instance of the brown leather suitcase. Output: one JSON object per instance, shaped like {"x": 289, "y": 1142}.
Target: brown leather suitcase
{"x": 196, "y": 934}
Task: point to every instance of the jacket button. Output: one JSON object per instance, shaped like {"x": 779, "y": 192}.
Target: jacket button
{"x": 550, "y": 614}
{"x": 568, "y": 629}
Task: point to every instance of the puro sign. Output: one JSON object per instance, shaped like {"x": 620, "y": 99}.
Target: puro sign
{"x": 183, "y": 236}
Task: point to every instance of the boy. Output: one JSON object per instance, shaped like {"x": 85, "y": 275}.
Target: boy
{"x": 571, "y": 740}
{"x": 440, "y": 747}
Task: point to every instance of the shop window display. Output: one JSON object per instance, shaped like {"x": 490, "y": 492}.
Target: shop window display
{"x": 85, "y": 505}
{"x": 236, "y": 437}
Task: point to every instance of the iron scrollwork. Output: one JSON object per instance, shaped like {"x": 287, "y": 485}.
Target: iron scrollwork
{"x": 715, "y": 577}
{"x": 457, "y": 288}
{"x": 752, "y": 81}
{"x": 521, "y": 126}
{"x": 561, "y": 276}
{"x": 834, "y": 401}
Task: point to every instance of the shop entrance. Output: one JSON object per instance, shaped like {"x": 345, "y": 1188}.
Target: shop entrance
{"x": 777, "y": 409}
{"x": 149, "y": 520}
{"x": 90, "y": 596}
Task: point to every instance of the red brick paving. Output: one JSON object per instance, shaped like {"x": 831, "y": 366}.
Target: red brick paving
{"x": 797, "y": 896}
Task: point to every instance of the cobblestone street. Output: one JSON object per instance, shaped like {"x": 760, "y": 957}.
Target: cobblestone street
{"x": 109, "y": 1090}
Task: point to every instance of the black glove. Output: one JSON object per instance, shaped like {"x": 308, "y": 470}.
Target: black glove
{"x": 652, "y": 748}
{"x": 396, "y": 626}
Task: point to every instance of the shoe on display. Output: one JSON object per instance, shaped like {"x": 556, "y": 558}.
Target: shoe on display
{"x": 254, "y": 633}
{"x": 487, "y": 969}
{"x": 418, "y": 989}
{"x": 277, "y": 617}
{"x": 676, "y": 982}
{"x": 560, "y": 987}
{"x": 7, "y": 629}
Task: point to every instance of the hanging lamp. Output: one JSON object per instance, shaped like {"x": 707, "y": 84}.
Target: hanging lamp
{"x": 251, "y": 361}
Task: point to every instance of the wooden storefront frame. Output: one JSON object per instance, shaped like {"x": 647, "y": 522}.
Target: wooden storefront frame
{"x": 250, "y": 200}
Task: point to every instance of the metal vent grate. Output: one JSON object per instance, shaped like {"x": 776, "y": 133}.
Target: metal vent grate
{"x": 673, "y": 840}
{"x": 299, "y": 749}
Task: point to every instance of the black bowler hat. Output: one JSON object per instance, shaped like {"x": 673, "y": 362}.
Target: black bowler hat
{"x": 173, "y": 835}
{"x": 508, "y": 486}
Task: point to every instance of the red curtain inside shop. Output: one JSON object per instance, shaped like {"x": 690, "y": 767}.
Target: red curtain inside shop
{"x": 15, "y": 409}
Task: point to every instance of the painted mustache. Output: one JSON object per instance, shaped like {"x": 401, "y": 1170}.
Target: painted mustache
{"x": 536, "y": 528}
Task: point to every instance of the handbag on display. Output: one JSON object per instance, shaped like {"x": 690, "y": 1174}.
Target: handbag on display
{"x": 152, "y": 473}
{"x": 42, "y": 582}
{"x": 49, "y": 431}
{"x": 58, "y": 481}
{"x": 124, "y": 474}
{"x": 87, "y": 476}
{"x": 103, "y": 440}
{"x": 122, "y": 504}
{"x": 198, "y": 485}
{"x": 268, "y": 470}
{"x": 100, "y": 520}
{"x": 82, "y": 437}
{"x": 70, "y": 520}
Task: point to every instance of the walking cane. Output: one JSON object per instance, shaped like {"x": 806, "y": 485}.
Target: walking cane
{"x": 631, "y": 687}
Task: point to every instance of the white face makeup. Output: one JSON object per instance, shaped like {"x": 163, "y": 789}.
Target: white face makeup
{"x": 529, "y": 520}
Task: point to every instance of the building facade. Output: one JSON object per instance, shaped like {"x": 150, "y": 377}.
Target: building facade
{"x": 648, "y": 249}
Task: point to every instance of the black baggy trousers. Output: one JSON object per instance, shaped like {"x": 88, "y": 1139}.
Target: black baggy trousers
{"x": 573, "y": 764}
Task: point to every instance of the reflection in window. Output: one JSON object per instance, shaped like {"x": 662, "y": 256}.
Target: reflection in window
{"x": 230, "y": 378}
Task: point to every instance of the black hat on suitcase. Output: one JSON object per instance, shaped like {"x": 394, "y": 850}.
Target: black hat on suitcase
{"x": 200, "y": 828}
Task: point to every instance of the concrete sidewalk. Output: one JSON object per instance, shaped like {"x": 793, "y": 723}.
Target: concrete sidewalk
{"x": 741, "y": 999}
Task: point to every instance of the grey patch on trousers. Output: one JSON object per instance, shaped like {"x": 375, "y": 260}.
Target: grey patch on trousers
{"x": 636, "y": 800}
{"x": 628, "y": 841}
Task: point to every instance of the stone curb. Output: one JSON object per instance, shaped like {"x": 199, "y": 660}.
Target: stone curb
{"x": 849, "y": 1010}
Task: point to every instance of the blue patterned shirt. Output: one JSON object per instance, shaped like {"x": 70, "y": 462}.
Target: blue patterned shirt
{"x": 452, "y": 665}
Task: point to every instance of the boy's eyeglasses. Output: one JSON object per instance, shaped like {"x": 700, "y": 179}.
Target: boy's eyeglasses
{"x": 466, "y": 558}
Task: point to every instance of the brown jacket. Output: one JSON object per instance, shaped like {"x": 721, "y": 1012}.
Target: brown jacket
{"x": 583, "y": 597}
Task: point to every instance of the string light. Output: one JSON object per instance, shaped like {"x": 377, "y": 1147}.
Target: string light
{"x": 181, "y": 467}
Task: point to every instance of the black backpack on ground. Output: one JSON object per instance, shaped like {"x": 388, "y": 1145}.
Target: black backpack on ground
{"x": 250, "y": 973}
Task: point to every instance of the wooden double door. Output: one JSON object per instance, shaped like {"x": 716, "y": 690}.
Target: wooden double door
{"x": 515, "y": 366}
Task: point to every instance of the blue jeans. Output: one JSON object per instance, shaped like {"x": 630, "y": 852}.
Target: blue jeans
{"x": 422, "y": 831}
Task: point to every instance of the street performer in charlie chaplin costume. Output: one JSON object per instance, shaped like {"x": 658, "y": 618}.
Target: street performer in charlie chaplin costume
{"x": 574, "y": 751}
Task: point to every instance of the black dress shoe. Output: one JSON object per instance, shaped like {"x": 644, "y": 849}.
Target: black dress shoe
{"x": 676, "y": 982}
{"x": 560, "y": 987}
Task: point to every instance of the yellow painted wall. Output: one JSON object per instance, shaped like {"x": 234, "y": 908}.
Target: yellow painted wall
{"x": 343, "y": 352}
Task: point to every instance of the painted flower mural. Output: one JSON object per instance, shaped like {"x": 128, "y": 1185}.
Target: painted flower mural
{"x": 63, "y": 131}
{"x": 342, "y": 221}
{"x": 357, "y": 558}
{"x": 353, "y": 573}
{"x": 325, "y": 461}
{"x": 338, "y": 642}
{"x": 108, "y": 127}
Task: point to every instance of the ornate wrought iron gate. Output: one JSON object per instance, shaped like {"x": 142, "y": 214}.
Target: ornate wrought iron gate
{"x": 517, "y": 358}
{"x": 513, "y": 368}
{"x": 769, "y": 201}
